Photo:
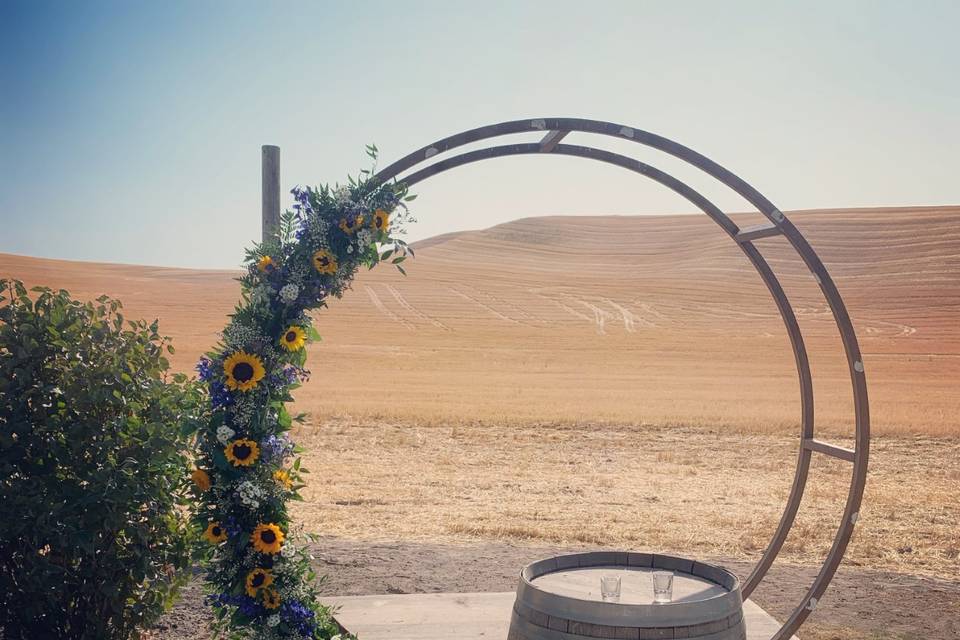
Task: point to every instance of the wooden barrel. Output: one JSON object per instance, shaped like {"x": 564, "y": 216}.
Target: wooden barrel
{"x": 559, "y": 599}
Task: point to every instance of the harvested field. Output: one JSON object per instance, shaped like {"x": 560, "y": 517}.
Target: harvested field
{"x": 626, "y": 320}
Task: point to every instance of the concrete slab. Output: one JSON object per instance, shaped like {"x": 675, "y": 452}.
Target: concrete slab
{"x": 463, "y": 616}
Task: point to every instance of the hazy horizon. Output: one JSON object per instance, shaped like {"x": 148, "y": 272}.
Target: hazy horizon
{"x": 132, "y": 133}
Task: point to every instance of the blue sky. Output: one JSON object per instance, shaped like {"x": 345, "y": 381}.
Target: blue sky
{"x": 131, "y": 131}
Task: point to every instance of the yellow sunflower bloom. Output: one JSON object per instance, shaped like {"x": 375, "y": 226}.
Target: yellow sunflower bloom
{"x": 258, "y": 579}
{"x": 215, "y": 534}
{"x": 350, "y": 224}
{"x": 324, "y": 261}
{"x": 270, "y": 598}
{"x": 266, "y": 264}
{"x": 243, "y": 371}
{"x": 283, "y": 478}
{"x": 380, "y": 221}
{"x": 201, "y": 478}
{"x": 267, "y": 538}
{"x": 293, "y": 338}
{"x": 242, "y": 452}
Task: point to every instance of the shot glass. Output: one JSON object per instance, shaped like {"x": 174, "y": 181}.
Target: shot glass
{"x": 662, "y": 586}
{"x": 610, "y": 588}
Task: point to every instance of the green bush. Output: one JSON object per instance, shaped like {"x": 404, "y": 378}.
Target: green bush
{"x": 94, "y": 533}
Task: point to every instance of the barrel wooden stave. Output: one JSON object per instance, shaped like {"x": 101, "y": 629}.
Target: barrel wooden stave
{"x": 717, "y": 619}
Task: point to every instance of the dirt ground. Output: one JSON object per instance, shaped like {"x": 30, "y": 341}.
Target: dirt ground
{"x": 465, "y": 507}
{"x": 860, "y": 604}
{"x": 703, "y": 492}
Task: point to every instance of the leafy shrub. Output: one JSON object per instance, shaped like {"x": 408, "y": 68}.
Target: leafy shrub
{"x": 94, "y": 535}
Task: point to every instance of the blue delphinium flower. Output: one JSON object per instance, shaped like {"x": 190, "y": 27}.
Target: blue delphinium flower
{"x": 302, "y": 196}
{"x": 247, "y": 605}
{"x": 298, "y": 615}
{"x": 220, "y": 396}
{"x": 232, "y": 527}
{"x": 204, "y": 371}
{"x": 276, "y": 448}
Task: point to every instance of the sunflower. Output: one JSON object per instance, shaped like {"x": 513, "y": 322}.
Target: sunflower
{"x": 282, "y": 477}
{"x": 380, "y": 221}
{"x": 270, "y": 598}
{"x": 267, "y": 538}
{"x": 350, "y": 224}
{"x": 266, "y": 264}
{"x": 258, "y": 579}
{"x": 242, "y": 452}
{"x": 293, "y": 338}
{"x": 201, "y": 478}
{"x": 215, "y": 534}
{"x": 243, "y": 370}
{"x": 324, "y": 261}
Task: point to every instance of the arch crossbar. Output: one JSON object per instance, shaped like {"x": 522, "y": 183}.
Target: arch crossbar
{"x": 555, "y": 130}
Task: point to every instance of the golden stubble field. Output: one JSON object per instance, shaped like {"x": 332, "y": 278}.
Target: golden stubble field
{"x": 614, "y": 380}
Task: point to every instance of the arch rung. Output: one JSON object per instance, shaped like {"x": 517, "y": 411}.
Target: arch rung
{"x": 551, "y": 140}
{"x": 757, "y": 231}
{"x": 829, "y": 449}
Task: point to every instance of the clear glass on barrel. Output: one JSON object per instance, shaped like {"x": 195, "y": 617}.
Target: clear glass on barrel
{"x": 662, "y": 586}
{"x": 610, "y": 588}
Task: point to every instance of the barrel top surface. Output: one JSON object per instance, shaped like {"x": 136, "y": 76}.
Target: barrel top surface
{"x": 568, "y": 587}
{"x": 636, "y": 584}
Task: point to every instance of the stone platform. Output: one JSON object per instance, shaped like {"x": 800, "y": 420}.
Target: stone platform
{"x": 463, "y": 616}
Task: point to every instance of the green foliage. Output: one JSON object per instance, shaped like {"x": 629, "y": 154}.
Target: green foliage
{"x": 94, "y": 536}
{"x": 316, "y": 251}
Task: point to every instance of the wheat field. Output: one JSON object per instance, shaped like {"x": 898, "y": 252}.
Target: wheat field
{"x": 613, "y": 380}
{"x": 625, "y": 320}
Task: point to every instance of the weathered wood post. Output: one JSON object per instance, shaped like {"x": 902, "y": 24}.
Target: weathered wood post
{"x": 270, "y": 190}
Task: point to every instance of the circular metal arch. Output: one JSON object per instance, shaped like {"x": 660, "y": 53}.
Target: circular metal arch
{"x": 554, "y": 130}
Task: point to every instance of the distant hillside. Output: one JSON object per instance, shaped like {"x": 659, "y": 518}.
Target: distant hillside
{"x": 627, "y": 319}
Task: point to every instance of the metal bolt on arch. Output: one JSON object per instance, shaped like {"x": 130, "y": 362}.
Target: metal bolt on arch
{"x": 554, "y": 131}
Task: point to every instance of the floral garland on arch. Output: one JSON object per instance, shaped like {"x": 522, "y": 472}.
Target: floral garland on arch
{"x": 260, "y": 580}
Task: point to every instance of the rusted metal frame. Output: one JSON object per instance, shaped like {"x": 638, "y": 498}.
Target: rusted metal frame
{"x": 789, "y": 514}
{"x": 851, "y": 512}
{"x": 830, "y": 449}
{"x": 810, "y": 258}
{"x": 757, "y": 231}
{"x": 551, "y": 140}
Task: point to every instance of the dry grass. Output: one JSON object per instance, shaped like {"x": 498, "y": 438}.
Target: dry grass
{"x": 695, "y": 491}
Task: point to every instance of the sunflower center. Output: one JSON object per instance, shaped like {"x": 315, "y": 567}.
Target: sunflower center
{"x": 257, "y": 580}
{"x": 243, "y": 371}
{"x": 269, "y": 537}
{"x": 241, "y": 451}
{"x": 216, "y": 532}
{"x": 379, "y": 222}
{"x": 291, "y": 336}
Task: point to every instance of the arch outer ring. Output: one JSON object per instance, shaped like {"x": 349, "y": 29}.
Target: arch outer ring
{"x": 859, "y": 456}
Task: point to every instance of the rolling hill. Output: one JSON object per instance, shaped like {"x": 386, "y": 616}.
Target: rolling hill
{"x": 654, "y": 320}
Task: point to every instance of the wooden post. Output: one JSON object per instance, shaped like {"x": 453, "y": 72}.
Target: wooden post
{"x": 270, "y": 190}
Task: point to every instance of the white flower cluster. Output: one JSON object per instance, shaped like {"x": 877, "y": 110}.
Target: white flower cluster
{"x": 225, "y": 434}
{"x": 364, "y": 238}
{"x": 318, "y": 230}
{"x": 244, "y": 409}
{"x": 239, "y": 335}
{"x": 273, "y": 620}
{"x": 341, "y": 196}
{"x": 250, "y": 494}
{"x": 289, "y": 293}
